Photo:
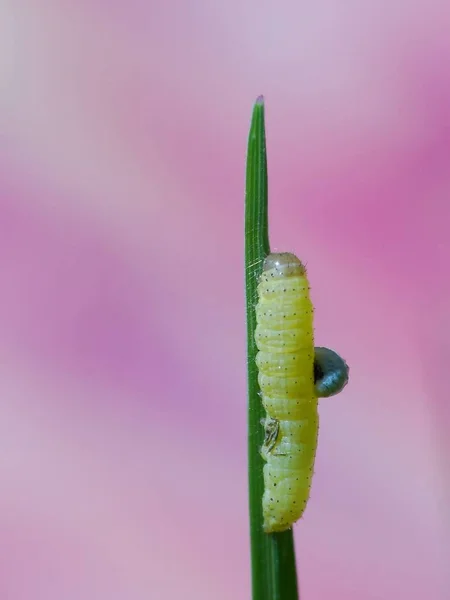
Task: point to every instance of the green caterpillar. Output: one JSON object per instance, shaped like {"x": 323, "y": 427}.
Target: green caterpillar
{"x": 292, "y": 376}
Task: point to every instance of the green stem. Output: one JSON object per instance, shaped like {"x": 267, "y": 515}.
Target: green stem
{"x": 274, "y": 575}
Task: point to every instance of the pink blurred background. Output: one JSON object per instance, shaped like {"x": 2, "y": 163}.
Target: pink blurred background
{"x": 122, "y": 349}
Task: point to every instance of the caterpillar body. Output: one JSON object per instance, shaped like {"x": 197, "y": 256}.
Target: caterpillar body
{"x": 291, "y": 379}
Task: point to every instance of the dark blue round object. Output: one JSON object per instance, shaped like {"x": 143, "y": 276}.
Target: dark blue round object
{"x": 330, "y": 372}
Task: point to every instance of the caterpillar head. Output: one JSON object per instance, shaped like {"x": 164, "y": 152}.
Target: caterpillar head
{"x": 330, "y": 372}
{"x": 283, "y": 264}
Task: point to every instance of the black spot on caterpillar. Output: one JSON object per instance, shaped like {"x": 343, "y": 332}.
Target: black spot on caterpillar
{"x": 292, "y": 375}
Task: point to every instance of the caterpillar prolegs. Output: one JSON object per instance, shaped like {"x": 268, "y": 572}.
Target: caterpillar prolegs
{"x": 292, "y": 376}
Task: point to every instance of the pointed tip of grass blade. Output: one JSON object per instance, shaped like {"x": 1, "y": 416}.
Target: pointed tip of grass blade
{"x": 257, "y": 241}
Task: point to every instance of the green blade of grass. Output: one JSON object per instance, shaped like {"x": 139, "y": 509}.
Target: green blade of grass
{"x": 274, "y": 575}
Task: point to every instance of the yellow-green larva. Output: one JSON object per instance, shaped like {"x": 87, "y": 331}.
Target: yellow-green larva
{"x": 285, "y": 340}
{"x": 292, "y": 376}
